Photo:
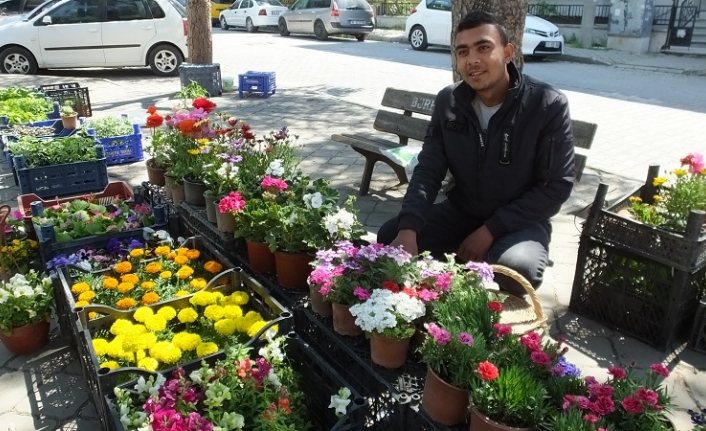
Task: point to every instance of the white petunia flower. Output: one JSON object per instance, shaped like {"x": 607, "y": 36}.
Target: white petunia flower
{"x": 4, "y": 296}
{"x": 23, "y": 291}
{"x": 275, "y": 169}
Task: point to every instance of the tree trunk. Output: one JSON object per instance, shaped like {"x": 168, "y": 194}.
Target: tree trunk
{"x": 199, "y": 39}
{"x": 511, "y": 12}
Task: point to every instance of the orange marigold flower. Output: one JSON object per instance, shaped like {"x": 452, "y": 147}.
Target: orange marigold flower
{"x": 87, "y": 296}
{"x": 147, "y": 285}
{"x": 153, "y": 267}
{"x": 181, "y": 251}
{"x": 125, "y": 303}
{"x": 79, "y": 288}
{"x": 130, "y": 278}
{"x": 185, "y": 272}
{"x": 180, "y": 259}
{"x": 171, "y": 256}
{"x": 162, "y": 250}
{"x": 137, "y": 252}
{"x": 149, "y": 298}
{"x": 92, "y": 315}
{"x": 125, "y": 287}
{"x": 110, "y": 283}
{"x": 193, "y": 254}
{"x": 123, "y": 267}
{"x": 213, "y": 267}
{"x": 198, "y": 283}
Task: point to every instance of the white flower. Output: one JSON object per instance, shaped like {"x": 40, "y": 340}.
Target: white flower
{"x": 340, "y": 401}
{"x": 23, "y": 291}
{"x": 84, "y": 264}
{"x": 275, "y": 169}
{"x": 4, "y": 296}
{"x": 385, "y": 310}
{"x": 147, "y": 427}
{"x": 273, "y": 378}
{"x": 313, "y": 200}
{"x": 150, "y": 386}
{"x": 231, "y": 421}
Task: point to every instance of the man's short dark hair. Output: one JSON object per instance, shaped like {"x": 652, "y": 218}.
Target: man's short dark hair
{"x": 475, "y": 19}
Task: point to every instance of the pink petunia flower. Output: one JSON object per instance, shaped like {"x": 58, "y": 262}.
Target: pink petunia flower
{"x": 660, "y": 369}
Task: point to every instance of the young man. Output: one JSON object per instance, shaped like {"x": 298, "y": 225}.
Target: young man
{"x": 506, "y": 139}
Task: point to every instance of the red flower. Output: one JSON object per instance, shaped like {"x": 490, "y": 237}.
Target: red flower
{"x": 660, "y": 369}
{"x": 410, "y": 292}
{"x": 540, "y": 358}
{"x": 647, "y": 395}
{"x": 632, "y": 405}
{"x": 495, "y": 306}
{"x": 502, "y": 330}
{"x": 283, "y": 404}
{"x": 487, "y": 371}
{"x": 591, "y": 418}
{"x": 245, "y": 132}
{"x": 204, "y": 104}
{"x": 154, "y": 120}
{"x": 151, "y": 110}
{"x": 597, "y": 391}
{"x": 617, "y": 373}
{"x": 187, "y": 126}
{"x": 603, "y": 406}
{"x": 391, "y": 286}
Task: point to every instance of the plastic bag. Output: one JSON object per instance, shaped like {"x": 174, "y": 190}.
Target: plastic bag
{"x": 404, "y": 156}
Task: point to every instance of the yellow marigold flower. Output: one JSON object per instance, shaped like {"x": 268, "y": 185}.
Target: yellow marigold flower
{"x": 186, "y": 341}
{"x": 123, "y": 267}
{"x": 110, "y": 364}
{"x": 171, "y": 255}
{"x": 125, "y": 287}
{"x": 203, "y": 298}
{"x": 205, "y": 349}
{"x": 239, "y": 298}
{"x": 187, "y": 315}
{"x": 635, "y": 199}
{"x": 659, "y": 181}
{"x": 140, "y": 354}
{"x": 180, "y": 259}
{"x": 92, "y": 315}
{"x": 256, "y": 327}
{"x": 87, "y": 296}
{"x": 130, "y": 344}
{"x": 147, "y": 285}
{"x": 153, "y": 267}
{"x": 130, "y": 278}
{"x": 110, "y": 283}
{"x": 657, "y": 198}
{"x": 100, "y": 346}
{"x": 165, "y": 275}
{"x": 167, "y": 312}
{"x": 149, "y": 298}
{"x": 82, "y": 303}
{"x": 136, "y": 330}
{"x": 198, "y": 283}
{"x": 147, "y": 340}
{"x": 193, "y": 254}
{"x": 253, "y": 316}
{"x": 214, "y": 312}
{"x": 213, "y": 267}
{"x": 115, "y": 347}
{"x": 125, "y": 303}
{"x": 225, "y": 327}
{"x": 232, "y": 312}
{"x": 181, "y": 293}
{"x": 137, "y": 252}
{"x": 162, "y": 250}
{"x": 193, "y": 152}
{"x": 166, "y": 352}
{"x": 149, "y": 364}
{"x": 185, "y": 272}
{"x": 120, "y": 326}
{"x": 156, "y": 323}
{"x": 680, "y": 172}
{"x": 79, "y": 288}
{"x": 181, "y": 251}
{"x": 219, "y": 297}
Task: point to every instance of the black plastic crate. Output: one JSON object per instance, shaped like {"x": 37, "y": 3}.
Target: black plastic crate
{"x": 698, "y": 334}
{"x": 194, "y": 221}
{"x": 643, "y": 298}
{"x": 207, "y": 76}
{"x": 71, "y": 93}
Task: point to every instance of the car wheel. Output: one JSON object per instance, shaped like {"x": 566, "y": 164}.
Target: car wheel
{"x": 165, "y": 60}
{"x": 418, "y": 38}
{"x": 320, "y": 31}
{"x": 249, "y": 27}
{"x": 18, "y": 60}
{"x": 282, "y": 27}
{"x": 224, "y": 24}
{"x": 360, "y": 37}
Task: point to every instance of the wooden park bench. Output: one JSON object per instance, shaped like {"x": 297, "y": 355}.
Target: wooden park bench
{"x": 406, "y": 127}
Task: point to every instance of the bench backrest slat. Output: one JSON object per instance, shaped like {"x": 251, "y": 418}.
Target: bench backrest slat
{"x": 401, "y": 125}
{"x": 583, "y": 133}
{"x": 410, "y": 101}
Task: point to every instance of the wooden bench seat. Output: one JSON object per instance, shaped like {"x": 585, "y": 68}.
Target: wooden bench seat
{"x": 412, "y": 123}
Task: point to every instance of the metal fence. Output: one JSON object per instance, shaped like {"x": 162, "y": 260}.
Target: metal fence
{"x": 567, "y": 14}
{"x": 662, "y": 14}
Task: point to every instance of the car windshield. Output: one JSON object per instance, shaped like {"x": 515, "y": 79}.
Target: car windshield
{"x": 269, "y": 2}
{"x": 353, "y": 4}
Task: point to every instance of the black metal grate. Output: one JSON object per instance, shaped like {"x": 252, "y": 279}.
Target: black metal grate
{"x": 72, "y": 94}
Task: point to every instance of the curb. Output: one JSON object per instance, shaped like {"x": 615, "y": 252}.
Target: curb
{"x": 694, "y": 72}
{"x": 581, "y": 59}
{"x": 384, "y": 38}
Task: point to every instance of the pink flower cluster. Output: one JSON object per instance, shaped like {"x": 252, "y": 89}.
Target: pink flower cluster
{"x": 695, "y": 161}
{"x": 162, "y": 410}
{"x": 441, "y": 335}
{"x": 273, "y": 185}
{"x": 233, "y": 203}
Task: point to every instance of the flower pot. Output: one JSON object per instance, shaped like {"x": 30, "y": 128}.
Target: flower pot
{"x": 388, "y": 352}
{"x": 293, "y": 269}
{"x": 260, "y": 257}
{"x": 26, "y": 339}
{"x": 443, "y": 402}
{"x": 479, "y": 422}
{"x": 193, "y": 192}
{"x": 70, "y": 122}
{"x": 224, "y": 222}
{"x": 155, "y": 175}
{"x": 344, "y": 322}
{"x": 173, "y": 189}
{"x": 318, "y": 304}
{"x": 210, "y": 201}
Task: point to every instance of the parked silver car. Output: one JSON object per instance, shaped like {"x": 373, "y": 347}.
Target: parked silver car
{"x": 327, "y": 17}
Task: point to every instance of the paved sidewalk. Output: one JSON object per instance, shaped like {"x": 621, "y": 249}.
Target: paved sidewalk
{"x": 687, "y": 64}
{"x": 46, "y": 391}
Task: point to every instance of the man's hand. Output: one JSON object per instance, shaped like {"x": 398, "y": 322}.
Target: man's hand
{"x": 476, "y": 245}
{"x": 407, "y": 238}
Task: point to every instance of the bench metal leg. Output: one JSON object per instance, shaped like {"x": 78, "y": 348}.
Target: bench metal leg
{"x": 370, "y": 160}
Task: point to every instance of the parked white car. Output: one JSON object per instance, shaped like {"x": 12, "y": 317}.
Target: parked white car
{"x": 430, "y": 24}
{"x": 97, "y": 33}
{"x": 252, "y": 14}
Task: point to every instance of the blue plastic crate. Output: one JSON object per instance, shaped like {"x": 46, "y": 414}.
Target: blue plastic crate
{"x": 263, "y": 83}
{"x": 122, "y": 149}
{"x": 59, "y": 132}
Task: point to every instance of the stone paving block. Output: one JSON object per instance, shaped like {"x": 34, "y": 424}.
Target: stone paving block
{"x": 50, "y": 360}
{"x": 79, "y": 425}
{"x": 629, "y": 349}
{"x": 74, "y": 367}
{"x": 590, "y": 352}
{"x": 27, "y": 423}
{"x": 15, "y": 387}
{"x": 581, "y": 327}
{"x": 88, "y": 411}
{"x": 676, "y": 387}
{"x": 377, "y": 219}
{"x": 5, "y": 355}
{"x": 58, "y": 396}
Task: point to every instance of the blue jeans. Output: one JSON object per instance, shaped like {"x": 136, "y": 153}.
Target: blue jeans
{"x": 526, "y": 251}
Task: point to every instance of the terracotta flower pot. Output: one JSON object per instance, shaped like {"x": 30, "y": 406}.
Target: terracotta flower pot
{"x": 210, "y": 200}
{"x": 224, "y": 222}
{"x": 293, "y": 269}
{"x": 260, "y": 257}
{"x": 479, "y": 422}
{"x": 443, "y": 402}
{"x": 344, "y": 322}
{"x": 318, "y": 304}
{"x": 388, "y": 352}
{"x": 70, "y": 122}
{"x": 27, "y": 339}
{"x": 155, "y": 175}
{"x": 193, "y": 192}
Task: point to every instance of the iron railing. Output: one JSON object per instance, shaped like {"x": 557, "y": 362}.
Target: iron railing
{"x": 567, "y": 14}
{"x": 662, "y": 14}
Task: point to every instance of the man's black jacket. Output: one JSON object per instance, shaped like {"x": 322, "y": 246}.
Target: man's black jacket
{"x": 519, "y": 173}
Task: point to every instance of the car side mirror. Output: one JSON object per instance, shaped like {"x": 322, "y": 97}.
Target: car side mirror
{"x": 46, "y": 20}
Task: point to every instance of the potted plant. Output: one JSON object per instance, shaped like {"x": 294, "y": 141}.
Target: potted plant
{"x": 158, "y": 164}
{"x": 228, "y": 208}
{"x": 26, "y": 304}
{"x": 69, "y": 117}
{"x": 254, "y": 223}
{"x": 387, "y": 318}
{"x": 17, "y": 257}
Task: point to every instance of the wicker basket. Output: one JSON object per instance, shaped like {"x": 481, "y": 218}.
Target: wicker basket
{"x": 523, "y": 316}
